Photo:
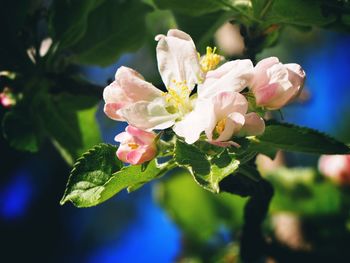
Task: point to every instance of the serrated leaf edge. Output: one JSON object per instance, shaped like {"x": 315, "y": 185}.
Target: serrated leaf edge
{"x": 77, "y": 163}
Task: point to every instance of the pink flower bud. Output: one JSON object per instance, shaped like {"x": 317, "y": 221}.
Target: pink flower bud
{"x": 136, "y": 146}
{"x": 336, "y": 167}
{"x": 275, "y": 84}
{"x": 6, "y": 98}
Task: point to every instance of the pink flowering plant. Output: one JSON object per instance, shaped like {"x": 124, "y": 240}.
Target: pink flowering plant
{"x": 210, "y": 121}
{"x": 208, "y": 118}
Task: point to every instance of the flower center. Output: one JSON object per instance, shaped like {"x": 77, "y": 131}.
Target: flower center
{"x": 220, "y": 126}
{"x": 133, "y": 146}
{"x": 178, "y": 97}
{"x": 210, "y": 60}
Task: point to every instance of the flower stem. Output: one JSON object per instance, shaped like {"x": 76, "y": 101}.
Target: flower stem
{"x": 253, "y": 245}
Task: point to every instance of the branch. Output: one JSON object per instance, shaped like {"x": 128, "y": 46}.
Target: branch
{"x": 253, "y": 244}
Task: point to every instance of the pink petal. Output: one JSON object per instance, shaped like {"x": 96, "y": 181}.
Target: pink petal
{"x": 134, "y": 157}
{"x": 336, "y": 167}
{"x": 260, "y": 71}
{"x": 122, "y": 152}
{"x": 150, "y": 151}
{"x": 254, "y": 125}
{"x": 110, "y": 109}
{"x": 265, "y": 94}
{"x": 143, "y": 137}
{"x": 134, "y": 86}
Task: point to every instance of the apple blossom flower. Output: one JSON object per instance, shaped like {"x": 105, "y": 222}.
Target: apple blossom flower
{"x": 336, "y": 168}
{"x": 130, "y": 98}
{"x": 275, "y": 84}
{"x": 221, "y": 117}
{"x": 136, "y": 146}
{"x": 220, "y": 110}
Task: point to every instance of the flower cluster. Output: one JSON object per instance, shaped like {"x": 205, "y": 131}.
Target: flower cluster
{"x": 225, "y": 105}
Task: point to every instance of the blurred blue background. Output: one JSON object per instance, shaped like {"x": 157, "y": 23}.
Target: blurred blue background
{"x": 132, "y": 227}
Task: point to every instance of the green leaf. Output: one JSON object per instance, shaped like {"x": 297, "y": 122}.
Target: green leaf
{"x": 71, "y": 124}
{"x": 198, "y": 213}
{"x": 131, "y": 177}
{"x": 113, "y": 28}
{"x": 20, "y": 131}
{"x": 89, "y": 129}
{"x": 89, "y": 175}
{"x": 259, "y": 7}
{"x": 68, "y": 20}
{"x": 298, "y": 12}
{"x": 99, "y": 175}
{"x": 293, "y": 138}
{"x": 61, "y": 125}
{"x": 207, "y": 173}
{"x": 192, "y": 8}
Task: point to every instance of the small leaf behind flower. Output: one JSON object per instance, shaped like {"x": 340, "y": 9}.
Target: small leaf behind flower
{"x": 207, "y": 171}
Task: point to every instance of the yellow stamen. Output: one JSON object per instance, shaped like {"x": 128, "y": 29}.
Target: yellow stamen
{"x": 133, "y": 146}
{"x": 210, "y": 60}
{"x": 178, "y": 96}
{"x": 220, "y": 126}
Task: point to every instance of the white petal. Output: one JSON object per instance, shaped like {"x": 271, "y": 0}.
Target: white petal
{"x": 114, "y": 94}
{"x": 233, "y": 76}
{"x": 193, "y": 123}
{"x": 123, "y": 137}
{"x": 226, "y": 103}
{"x": 260, "y": 76}
{"x": 177, "y": 59}
{"x": 148, "y": 115}
{"x": 278, "y": 73}
{"x": 234, "y": 123}
{"x": 296, "y": 76}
